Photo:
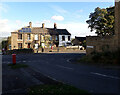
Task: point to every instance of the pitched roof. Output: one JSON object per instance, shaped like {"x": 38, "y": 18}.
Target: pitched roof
{"x": 39, "y": 30}
{"x": 80, "y": 38}
{"x": 53, "y": 31}
{"x": 63, "y": 32}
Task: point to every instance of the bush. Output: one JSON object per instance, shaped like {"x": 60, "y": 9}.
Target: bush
{"x": 106, "y": 57}
{"x": 60, "y": 89}
{"x": 102, "y": 58}
{"x": 96, "y": 57}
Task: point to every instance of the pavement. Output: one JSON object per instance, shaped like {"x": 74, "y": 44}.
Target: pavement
{"x": 46, "y": 67}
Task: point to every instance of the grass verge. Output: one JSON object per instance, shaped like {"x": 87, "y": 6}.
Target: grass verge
{"x": 17, "y": 66}
{"x": 103, "y": 58}
{"x": 60, "y": 89}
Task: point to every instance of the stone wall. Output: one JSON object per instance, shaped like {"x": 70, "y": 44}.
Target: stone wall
{"x": 14, "y": 43}
{"x": 100, "y": 44}
{"x": 59, "y": 50}
{"x": 25, "y": 41}
{"x": 117, "y": 23}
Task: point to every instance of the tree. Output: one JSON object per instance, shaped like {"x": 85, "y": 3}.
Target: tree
{"x": 102, "y": 21}
{"x": 6, "y": 43}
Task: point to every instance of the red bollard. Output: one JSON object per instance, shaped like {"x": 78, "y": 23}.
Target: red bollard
{"x": 14, "y": 58}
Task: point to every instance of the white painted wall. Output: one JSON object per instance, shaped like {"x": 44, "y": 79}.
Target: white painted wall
{"x": 62, "y": 43}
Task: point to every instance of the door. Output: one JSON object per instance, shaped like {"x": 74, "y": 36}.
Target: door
{"x": 28, "y": 45}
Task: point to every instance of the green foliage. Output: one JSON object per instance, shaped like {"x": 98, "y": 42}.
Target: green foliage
{"x": 47, "y": 38}
{"x": 60, "y": 89}
{"x": 0, "y": 45}
{"x": 4, "y": 44}
{"x": 102, "y": 58}
{"x": 102, "y": 21}
{"x": 17, "y": 66}
{"x": 85, "y": 59}
{"x": 72, "y": 40}
{"x": 84, "y": 44}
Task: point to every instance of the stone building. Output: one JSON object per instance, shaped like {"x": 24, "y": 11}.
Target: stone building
{"x": 37, "y": 37}
{"x": 106, "y": 43}
{"x": 78, "y": 41}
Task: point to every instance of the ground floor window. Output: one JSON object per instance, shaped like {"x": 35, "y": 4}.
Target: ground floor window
{"x": 43, "y": 45}
{"x": 68, "y": 38}
{"x": 63, "y": 38}
{"x": 36, "y": 36}
{"x": 28, "y": 36}
{"x": 19, "y": 45}
{"x": 56, "y": 38}
{"x": 36, "y": 46}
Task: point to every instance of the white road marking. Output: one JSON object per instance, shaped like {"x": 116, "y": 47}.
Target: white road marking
{"x": 105, "y": 75}
{"x": 24, "y": 61}
{"x": 64, "y": 67}
{"x": 68, "y": 60}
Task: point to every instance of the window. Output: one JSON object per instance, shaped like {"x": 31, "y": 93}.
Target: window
{"x": 28, "y": 36}
{"x": 68, "y": 38}
{"x": 23, "y": 29}
{"x": 36, "y": 46}
{"x": 42, "y": 37}
{"x": 50, "y": 38}
{"x": 26, "y": 30}
{"x": 19, "y": 45}
{"x": 20, "y": 36}
{"x": 56, "y": 38}
{"x": 63, "y": 38}
{"x": 36, "y": 36}
{"x": 19, "y": 30}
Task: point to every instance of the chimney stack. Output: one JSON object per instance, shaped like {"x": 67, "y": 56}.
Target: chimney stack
{"x": 43, "y": 25}
{"x": 55, "y": 26}
{"x": 30, "y": 24}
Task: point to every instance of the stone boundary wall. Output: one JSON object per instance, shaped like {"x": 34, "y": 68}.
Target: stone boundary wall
{"x": 100, "y": 44}
{"x": 60, "y": 49}
{"x": 46, "y": 50}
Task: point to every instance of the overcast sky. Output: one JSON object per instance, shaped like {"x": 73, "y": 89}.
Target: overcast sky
{"x": 69, "y": 15}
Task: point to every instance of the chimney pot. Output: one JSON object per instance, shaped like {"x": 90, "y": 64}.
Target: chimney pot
{"x": 43, "y": 25}
{"x": 30, "y": 24}
{"x": 55, "y": 26}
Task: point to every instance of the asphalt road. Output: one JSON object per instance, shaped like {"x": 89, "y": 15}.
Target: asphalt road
{"x": 60, "y": 67}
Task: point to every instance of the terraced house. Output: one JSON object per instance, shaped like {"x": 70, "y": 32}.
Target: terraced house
{"x": 37, "y": 37}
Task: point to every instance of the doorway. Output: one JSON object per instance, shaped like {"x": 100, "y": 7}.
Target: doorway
{"x": 28, "y": 45}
